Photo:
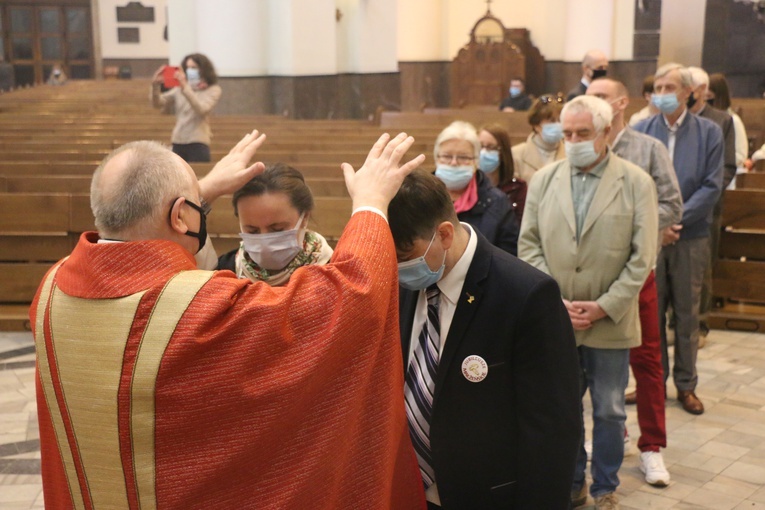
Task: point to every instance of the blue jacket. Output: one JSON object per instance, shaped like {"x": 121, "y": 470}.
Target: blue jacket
{"x": 698, "y": 162}
{"x": 493, "y": 217}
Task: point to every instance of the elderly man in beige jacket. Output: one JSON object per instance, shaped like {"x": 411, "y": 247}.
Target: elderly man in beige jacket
{"x": 591, "y": 222}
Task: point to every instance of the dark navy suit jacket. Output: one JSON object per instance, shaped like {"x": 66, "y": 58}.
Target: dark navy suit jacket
{"x": 509, "y": 441}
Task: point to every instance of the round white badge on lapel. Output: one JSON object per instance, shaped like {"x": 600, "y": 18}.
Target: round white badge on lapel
{"x": 474, "y": 368}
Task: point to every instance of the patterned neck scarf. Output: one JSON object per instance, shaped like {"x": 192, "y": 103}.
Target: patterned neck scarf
{"x": 315, "y": 251}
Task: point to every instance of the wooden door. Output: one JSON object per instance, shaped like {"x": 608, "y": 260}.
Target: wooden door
{"x": 35, "y": 36}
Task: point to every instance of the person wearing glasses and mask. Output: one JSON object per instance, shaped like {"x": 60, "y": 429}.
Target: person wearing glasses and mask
{"x": 496, "y": 161}
{"x": 192, "y": 99}
{"x": 476, "y": 200}
{"x": 273, "y": 210}
{"x": 544, "y": 144}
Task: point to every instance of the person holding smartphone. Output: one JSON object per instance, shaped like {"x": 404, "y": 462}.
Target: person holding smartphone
{"x": 192, "y": 93}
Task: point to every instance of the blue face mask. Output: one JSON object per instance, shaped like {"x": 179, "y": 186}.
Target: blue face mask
{"x": 488, "y": 161}
{"x": 581, "y": 154}
{"x": 415, "y": 274}
{"x": 515, "y": 91}
{"x": 552, "y": 132}
{"x": 666, "y": 103}
{"x": 192, "y": 74}
{"x": 454, "y": 177}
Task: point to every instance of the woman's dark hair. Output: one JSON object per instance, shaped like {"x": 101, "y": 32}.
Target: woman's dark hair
{"x": 278, "y": 178}
{"x": 506, "y": 167}
{"x": 718, "y": 85}
{"x": 420, "y": 205}
{"x": 545, "y": 107}
{"x": 648, "y": 85}
{"x": 206, "y": 69}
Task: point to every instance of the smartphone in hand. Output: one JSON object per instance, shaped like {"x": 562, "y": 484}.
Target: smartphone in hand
{"x": 168, "y": 77}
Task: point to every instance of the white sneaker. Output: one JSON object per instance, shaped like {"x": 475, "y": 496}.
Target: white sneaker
{"x": 652, "y": 464}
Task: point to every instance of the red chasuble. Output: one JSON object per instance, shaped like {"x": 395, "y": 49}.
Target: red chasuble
{"x": 160, "y": 386}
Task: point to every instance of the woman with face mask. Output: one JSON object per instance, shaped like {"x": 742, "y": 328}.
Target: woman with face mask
{"x": 273, "y": 211}
{"x": 496, "y": 161}
{"x": 545, "y": 143}
{"x": 193, "y": 95}
{"x": 477, "y": 201}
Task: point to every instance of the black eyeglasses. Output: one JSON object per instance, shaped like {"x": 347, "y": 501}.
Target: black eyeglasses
{"x": 547, "y": 98}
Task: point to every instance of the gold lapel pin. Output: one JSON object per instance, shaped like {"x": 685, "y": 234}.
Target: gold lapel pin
{"x": 471, "y": 298}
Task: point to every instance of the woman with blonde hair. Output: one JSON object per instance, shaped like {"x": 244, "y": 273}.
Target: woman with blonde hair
{"x": 476, "y": 200}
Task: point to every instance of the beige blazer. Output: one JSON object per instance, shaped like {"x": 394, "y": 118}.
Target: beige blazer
{"x": 616, "y": 251}
{"x": 527, "y": 158}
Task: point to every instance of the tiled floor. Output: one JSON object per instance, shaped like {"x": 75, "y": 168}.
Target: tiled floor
{"x": 717, "y": 460}
{"x": 20, "y": 482}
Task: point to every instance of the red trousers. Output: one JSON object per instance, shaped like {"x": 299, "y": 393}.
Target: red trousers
{"x": 645, "y": 361}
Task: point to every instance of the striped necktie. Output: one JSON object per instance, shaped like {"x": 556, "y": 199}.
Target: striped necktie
{"x": 420, "y": 384}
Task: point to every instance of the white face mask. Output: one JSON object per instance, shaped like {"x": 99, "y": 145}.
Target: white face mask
{"x": 581, "y": 154}
{"x": 274, "y": 250}
{"x": 192, "y": 75}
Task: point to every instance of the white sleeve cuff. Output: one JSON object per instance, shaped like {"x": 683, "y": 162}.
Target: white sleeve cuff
{"x": 370, "y": 209}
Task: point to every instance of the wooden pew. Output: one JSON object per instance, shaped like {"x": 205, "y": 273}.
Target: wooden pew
{"x": 739, "y": 274}
{"x": 320, "y": 186}
{"x": 38, "y": 228}
{"x": 750, "y": 180}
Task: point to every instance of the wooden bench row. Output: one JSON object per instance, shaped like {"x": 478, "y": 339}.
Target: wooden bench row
{"x": 739, "y": 273}
{"x": 320, "y": 186}
{"x": 26, "y": 216}
{"x": 38, "y": 229}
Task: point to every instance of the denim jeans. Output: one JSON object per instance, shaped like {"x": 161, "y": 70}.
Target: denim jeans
{"x": 605, "y": 372}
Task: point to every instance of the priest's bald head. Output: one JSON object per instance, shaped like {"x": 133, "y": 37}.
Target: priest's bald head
{"x": 143, "y": 191}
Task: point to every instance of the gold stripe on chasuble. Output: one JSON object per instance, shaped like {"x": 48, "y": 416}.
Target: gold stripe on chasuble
{"x": 89, "y": 339}
{"x": 46, "y": 382}
{"x": 167, "y": 312}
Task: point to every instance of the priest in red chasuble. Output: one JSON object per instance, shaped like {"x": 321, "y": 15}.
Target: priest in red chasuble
{"x": 163, "y": 386}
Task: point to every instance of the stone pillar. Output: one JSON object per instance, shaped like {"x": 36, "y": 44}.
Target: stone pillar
{"x": 367, "y": 39}
{"x": 301, "y": 37}
{"x": 589, "y": 25}
{"x": 233, "y": 34}
{"x": 682, "y": 32}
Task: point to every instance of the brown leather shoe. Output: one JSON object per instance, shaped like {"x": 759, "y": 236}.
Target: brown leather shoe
{"x": 630, "y": 398}
{"x": 690, "y": 401}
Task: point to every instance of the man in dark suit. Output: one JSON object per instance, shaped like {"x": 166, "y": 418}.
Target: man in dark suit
{"x": 492, "y": 385}
{"x": 594, "y": 66}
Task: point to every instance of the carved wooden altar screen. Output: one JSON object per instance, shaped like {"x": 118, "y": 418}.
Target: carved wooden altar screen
{"x": 482, "y": 71}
